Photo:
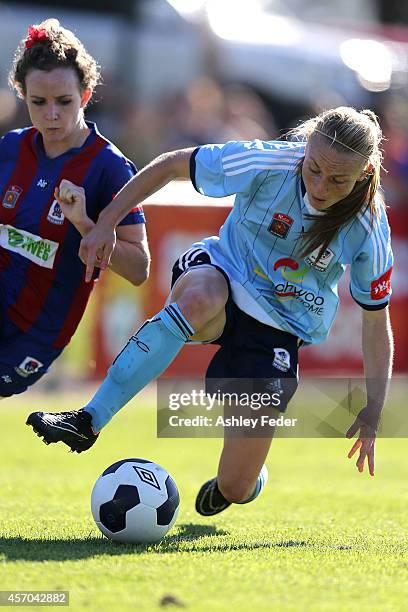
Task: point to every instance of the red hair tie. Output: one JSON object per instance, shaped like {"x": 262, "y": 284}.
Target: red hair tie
{"x": 35, "y": 35}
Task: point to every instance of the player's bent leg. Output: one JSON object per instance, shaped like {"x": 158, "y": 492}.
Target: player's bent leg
{"x": 263, "y": 360}
{"x": 151, "y": 350}
{"x": 241, "y": 463}
{"x": 241, "y": 475}
{"x": 147, "y": 354}
{"x": 201, "y": 293}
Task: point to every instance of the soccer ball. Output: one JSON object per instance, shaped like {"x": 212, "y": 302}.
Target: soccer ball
{"x": 135, "y": 500}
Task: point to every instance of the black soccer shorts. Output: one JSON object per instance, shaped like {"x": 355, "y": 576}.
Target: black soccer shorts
{"x": 263, "y": 358}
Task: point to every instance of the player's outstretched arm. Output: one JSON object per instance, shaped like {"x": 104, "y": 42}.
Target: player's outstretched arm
{"x": 97, "y": 247}
{"x": 131, "y": 258}
{"x": 378, "y": 350}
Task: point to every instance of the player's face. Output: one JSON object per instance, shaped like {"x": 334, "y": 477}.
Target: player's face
{"x": 328, "y": 174}
{"x": 55, "y": 103}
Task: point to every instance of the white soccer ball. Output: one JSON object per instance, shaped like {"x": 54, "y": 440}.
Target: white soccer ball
{"x": 135, "y": 500}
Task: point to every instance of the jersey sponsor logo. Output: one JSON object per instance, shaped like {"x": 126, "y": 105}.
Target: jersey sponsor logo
{"x": 381, "y": 287}
{"x": 280, "y": 225}
{"x": 43, "y": 183}
{"x": 321, "y": 264}
{"x": 293, "y": 273}
{"x": 6, "y": 379}
{"x": 11, "y": 196}
{"x": 39, "y": 250}
{"x": 29, "y": 365}
{"x": 281, "y": 360}
{"x": 55, "y": 214}
{"x": 288, "y": 291}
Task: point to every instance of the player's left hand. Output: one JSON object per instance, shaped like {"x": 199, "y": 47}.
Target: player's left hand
{"x": 72, "y": 200}
{"x": 367, "y": 422}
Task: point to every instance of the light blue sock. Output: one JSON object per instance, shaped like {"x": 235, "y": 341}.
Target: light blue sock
{"x": 260, "y": 483}
{"x": 147, "y": 354}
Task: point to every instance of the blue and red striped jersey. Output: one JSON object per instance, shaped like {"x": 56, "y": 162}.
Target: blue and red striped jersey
{"x": 42, "y": 279}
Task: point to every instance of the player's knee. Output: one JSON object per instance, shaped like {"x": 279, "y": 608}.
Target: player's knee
{"x": 200, "y": 305}
{"x": 236, "y": 490}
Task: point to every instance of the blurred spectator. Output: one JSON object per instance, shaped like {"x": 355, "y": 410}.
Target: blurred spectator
{"x": 395, "y": 125}
{"x": 209, "y": 112}
{"x": 206, "y": 112}
{"x": 247, "y": 115}
{"x": 8, "y": 107}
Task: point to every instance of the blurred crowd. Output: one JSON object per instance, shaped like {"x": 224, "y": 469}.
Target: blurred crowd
{"x": 205, "y": 112}
{"x": 208, "y": 111}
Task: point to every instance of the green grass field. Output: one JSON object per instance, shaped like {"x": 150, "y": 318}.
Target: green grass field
{"x": 320, "y": 537}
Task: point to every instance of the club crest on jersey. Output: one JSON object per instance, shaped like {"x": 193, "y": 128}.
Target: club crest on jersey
{"x": 280, "y": 225}
{"x": 321, "y": 264}
{"x": 11, "y": 196}
{"x": 55, "y": 214}
{"x": 29, "y": 365}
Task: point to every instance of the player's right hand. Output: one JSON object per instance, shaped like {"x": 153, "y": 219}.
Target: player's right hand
{"x": 72, "y": 201}
{"x": 96, "y": 249}
{"x": 366, "y": 424}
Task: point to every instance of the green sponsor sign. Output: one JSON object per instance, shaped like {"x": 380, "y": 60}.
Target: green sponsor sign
{"x": 41, "y": 249}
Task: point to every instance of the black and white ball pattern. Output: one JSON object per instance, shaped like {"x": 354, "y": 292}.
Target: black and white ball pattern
{"x": 135, "y": 500}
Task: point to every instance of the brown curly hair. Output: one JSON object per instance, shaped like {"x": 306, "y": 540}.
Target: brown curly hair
{"x": 56, "y": 48}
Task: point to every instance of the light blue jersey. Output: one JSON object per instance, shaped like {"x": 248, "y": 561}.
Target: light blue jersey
{"x": 258, "y": 244}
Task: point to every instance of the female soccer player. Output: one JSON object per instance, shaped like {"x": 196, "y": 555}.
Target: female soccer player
{"x": 309, "y": 205}
{"x": 55, "y": 178}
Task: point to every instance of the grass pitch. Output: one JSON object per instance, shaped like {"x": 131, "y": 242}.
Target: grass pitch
{"x": 320, "y": 537}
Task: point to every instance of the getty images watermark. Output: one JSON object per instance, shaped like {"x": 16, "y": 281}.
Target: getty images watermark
{"x": 214, "y": 402}
{"x": 189, "y": 409}
{"x": 314, "y": 408}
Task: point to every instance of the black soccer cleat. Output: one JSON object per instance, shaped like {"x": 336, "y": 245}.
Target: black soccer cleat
{"x": 73, "y": 428}
{"x": 210, "y": 500}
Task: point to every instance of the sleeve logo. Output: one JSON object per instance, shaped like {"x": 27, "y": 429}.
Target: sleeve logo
{"x": 381, "y": 287}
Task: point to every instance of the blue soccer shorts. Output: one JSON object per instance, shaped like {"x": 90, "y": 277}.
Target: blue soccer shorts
{"x": 23, "y": 359}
